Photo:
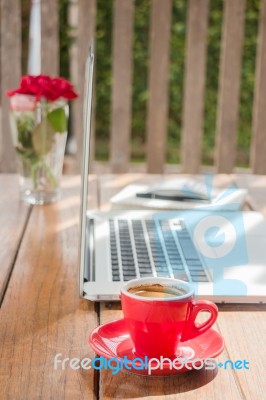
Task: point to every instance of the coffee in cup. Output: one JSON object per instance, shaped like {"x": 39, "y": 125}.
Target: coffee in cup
{"x": 160, "y": 313}
{"x": 157, "y": 290}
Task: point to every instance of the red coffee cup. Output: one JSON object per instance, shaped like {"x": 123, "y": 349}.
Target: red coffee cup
{"x": 157, "y": 325}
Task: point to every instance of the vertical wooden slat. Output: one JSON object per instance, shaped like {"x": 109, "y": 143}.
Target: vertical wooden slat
{"x": 229, "y": 84}
{"x": 0, "y": 65}
{"x": 122, "y": 84}
{"x": 158, "y": 84}
{"x": 10, "y": 75}
{"x": 258, "y": 147}
{"x": 85, "y": 34}
{"x": 193, "y": 103}
{"x": 50, "y": 37}
{"x": 1, "y": 130}
{"x": 73, "y": 49}
{"x": 74, "y": 73}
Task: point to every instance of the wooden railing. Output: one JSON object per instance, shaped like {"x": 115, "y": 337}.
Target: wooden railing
{"x": 157, "y": 110}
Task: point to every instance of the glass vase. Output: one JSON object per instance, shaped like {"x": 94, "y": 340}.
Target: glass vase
{"x": 39, "y": 132}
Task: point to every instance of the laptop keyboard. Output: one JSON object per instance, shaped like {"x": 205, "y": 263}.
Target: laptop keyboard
{"x": 141, "y": 248}
{"x": 126, "y": 251}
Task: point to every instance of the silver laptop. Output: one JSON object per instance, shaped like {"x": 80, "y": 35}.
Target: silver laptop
{"x": 221, "y": 252}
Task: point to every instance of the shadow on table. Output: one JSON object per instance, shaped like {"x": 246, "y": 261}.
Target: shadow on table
{"x": 125, "y": 385}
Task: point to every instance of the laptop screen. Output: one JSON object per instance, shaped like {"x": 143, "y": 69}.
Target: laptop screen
{"x": 87, "y": 112}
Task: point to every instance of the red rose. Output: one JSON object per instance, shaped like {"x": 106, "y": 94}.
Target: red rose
{"x": 45, "y": 86}
{"x": 64, "y": 89}
{"x": 27, "y": 86}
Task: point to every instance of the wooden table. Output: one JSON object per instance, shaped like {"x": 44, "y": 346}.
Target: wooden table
{"x": 41, "y": 313}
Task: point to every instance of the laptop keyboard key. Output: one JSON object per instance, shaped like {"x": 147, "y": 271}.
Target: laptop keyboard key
{"x": 178, "y": 267}
{"x": 188, "y": 249}
{"x": 198, "y": 273}
{"x": 196, "y": 269}
{"x": 199, "y": 278}
{"x": 144, "y": 264}
{"x": 145, "y": 268}
{"x": 145, "y": 274}
{"x": 129, "y": 268}
{"x": 114, "y": 254}
{"x": 128, "y": 261}
{"x": 128, "y": 278}
{"x": 163, "y": 274}
{"x": 182, "y": 276}
{"x": 193, "y": 262}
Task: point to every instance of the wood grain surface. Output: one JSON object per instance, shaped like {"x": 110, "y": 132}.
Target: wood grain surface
{"x": 13, "y": 219}
{"x": 42, "y": 314}
{"x": 244, "y": 329}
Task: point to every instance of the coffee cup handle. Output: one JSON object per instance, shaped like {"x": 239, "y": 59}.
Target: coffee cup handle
{"x": 194, "y": 329}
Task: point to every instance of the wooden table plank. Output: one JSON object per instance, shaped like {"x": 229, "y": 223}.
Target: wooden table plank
{"x": 42, "y": 314}
{"x": 197, "y": 384}
{"x": 244, "y": 330}
{"x": 248, "y": 322}
{"x": 13, "y": 219}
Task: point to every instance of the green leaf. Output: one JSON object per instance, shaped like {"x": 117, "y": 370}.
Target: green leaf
{"x": 57, "y": 119}
{"x": 43, "y": 137}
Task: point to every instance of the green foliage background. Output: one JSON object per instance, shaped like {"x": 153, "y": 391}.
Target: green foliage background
{"x": 176, "y": 75}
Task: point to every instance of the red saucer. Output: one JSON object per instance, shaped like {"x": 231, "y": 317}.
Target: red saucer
{"x": 112, "y": 340}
